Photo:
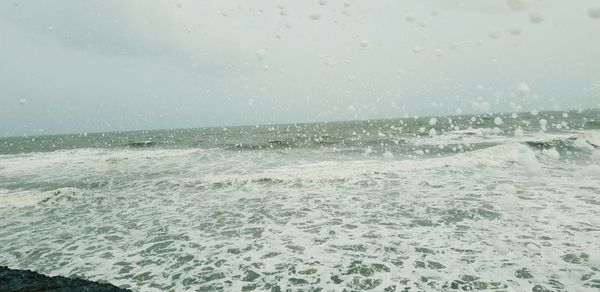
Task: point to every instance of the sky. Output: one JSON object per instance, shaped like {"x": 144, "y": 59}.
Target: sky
{"x": 75, "y": 66}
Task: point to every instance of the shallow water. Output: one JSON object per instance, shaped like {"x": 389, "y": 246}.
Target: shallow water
{"x": 379, "y": 205}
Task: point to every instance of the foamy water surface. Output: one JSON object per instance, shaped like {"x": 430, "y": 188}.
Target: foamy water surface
{"x": 498, "y": 212}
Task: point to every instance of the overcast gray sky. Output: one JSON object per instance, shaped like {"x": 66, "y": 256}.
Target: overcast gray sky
{"x": 86, "y": 66}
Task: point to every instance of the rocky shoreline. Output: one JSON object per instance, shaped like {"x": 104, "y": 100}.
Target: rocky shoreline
{"x": 24, "y": 280}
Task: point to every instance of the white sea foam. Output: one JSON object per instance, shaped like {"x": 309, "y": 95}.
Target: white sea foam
{"x": 503, "y": 216}
{"x": 20, "y": 198}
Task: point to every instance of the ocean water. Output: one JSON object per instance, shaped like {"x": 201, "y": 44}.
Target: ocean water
{"x": 499, "y": 202}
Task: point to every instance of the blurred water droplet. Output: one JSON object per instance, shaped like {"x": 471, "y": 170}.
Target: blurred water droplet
{"x": 519, "y": 132}
{"x": 494, "y": 33}
{"x": 261, "y": 54}
{"x": 315, "y": 16}
{"x": 536, "y": 18}
{"x": 515, "y": 5}
{"x": 594, "y": 12}
{"x": 515, "y": 31}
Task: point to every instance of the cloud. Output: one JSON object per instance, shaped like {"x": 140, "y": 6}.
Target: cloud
{"x": 116, "y": 65}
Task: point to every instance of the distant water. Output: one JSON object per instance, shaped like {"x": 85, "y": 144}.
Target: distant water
{"x": 471, "y": 202}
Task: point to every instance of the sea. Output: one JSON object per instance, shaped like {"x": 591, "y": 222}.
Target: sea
{"x": 501, "y": 202}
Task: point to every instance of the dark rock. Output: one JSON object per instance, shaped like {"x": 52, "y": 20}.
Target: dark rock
{"x": 23, "y": 280}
